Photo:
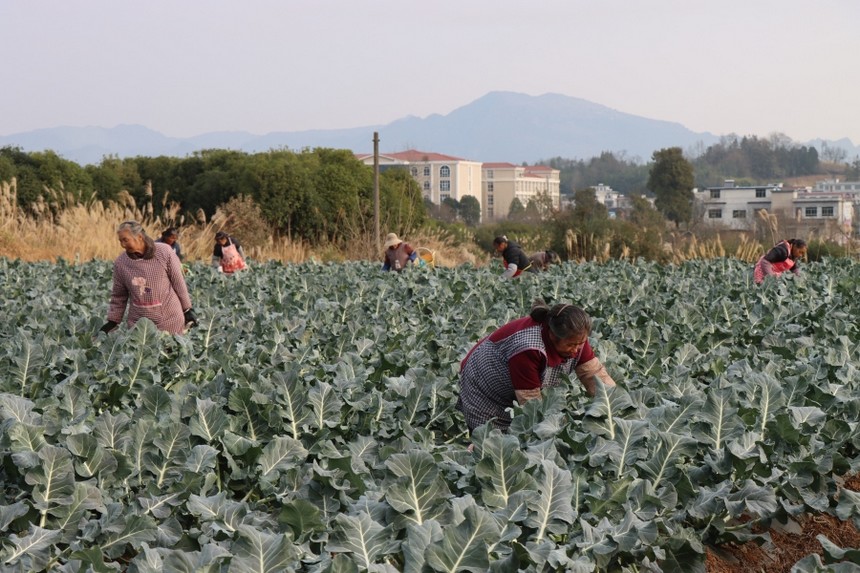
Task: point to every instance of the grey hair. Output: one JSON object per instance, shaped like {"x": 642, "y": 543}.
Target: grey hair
{"x": 132, "y": 227}
{"x": 563, "y": 320}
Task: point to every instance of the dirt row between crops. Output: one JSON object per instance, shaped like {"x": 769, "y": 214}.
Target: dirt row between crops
{"x": 788, "y": 544}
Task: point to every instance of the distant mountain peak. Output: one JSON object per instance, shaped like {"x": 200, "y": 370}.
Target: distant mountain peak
{"x": 500, "y": 126}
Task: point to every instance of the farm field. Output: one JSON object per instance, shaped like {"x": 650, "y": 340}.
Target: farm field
{"x": 308, "y": 422}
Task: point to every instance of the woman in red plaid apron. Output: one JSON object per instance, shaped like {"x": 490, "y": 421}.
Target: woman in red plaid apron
{"x": 782, "y": 257}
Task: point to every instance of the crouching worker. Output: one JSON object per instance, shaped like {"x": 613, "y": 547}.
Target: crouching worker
{"x": 543, "y": 259}
{"x": 782, "y": 257}
{"x": 514, "y": 259}
{"x": 525, "y": 355}
{"x": 397, "y": 254}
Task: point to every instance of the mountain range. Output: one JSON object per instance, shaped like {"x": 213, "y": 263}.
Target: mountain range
{"x": 498, "y": 127}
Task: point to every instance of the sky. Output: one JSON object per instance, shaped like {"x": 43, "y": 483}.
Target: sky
{"x": 187, "y": 67}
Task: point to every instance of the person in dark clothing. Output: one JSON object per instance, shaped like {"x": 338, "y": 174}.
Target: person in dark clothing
{"x": 782, "y": 257}
{"x": 170, "y": 237}
{"x": 228, "y": 256}
{"x": 523, "y": 356}
{"x": 513, "y": 257}
{"x": 397, "y": 254}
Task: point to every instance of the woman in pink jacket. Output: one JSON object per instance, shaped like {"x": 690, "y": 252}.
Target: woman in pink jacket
{"x": 148, "y": 280}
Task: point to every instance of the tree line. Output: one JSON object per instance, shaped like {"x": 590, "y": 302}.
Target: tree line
{"x": 320, "y": 195}
{"x": 748, "y": 159}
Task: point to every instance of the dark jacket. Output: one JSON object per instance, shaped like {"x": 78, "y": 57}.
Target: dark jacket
{"x": 514, "y": 254}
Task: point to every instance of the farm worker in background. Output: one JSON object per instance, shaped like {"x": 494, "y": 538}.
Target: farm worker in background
{"x": 782, "y": 257}
{"x": 170, "y": 237}
{"x": 148, "y": 279}
{"x": 513, "y": 257}
{"x": 397, "y": 254}
{"x": 523, "y": 356}
{"x": 228, "y": 256}
{"x": 542, "y": 260}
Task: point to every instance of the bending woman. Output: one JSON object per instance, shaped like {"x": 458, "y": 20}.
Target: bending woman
{"x": 524, "y": 356}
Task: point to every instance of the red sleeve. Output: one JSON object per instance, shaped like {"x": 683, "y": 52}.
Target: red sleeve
{"x": 585, "y": 354}
{"x": 525, "y": 369}
{"x": 409, "y": 250}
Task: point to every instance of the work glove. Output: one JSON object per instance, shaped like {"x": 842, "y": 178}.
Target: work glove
{"x": 109, "y": 325}
{"x": 190, "y": 318}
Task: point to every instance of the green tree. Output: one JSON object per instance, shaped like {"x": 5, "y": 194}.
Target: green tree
{"x": 586, "y": 207}
{"x": 671, "y": 180}
{"x": 470, "y": 210}
{"x": 517, "y": 210}
{"x": 643, "y": 214}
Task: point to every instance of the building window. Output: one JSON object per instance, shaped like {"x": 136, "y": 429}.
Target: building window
{"x": 490, "y": 187}
{"x": 739, "y": 214}
{"x": 715, "y": 193}
{"x": 490, "y": 201}
{"x": 445, "y": 186}
{"x": 414, "y": 172}
{"x": 489, "y": 173}
{"x": 426, "y": 171}
{"x": 444, "y": 171}
{"x": 811, "y": 211}
{"x": 827, "y": 211}
{"x": 759, "y": 193}
{"x": 715, "y": 213}
{"x": 444, "y": 196}
{"x": 427, "y": 186}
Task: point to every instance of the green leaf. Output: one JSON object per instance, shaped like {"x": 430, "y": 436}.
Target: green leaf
{"x": 36, "y": 545}
{"x": 209, "y": 421}
{"x": 608, "y": 404}
{"x": 258, "y": 551}
{"x": 419, "y": 538}
{"x": 8, "y": 513}
{"x": 363, "y": 537}
{"x": 662, "y": 464}
{"x": 53, "y": 479}
{"x": 502, "y": 469}
{"x": 136, "y": 530}
{"x": 281, "y": 454}
{"x": 553, "y": 504}
{"x": 419, "y": 491}
{"x": 325, "y": 405}
{"x": 302, "y": 517}
{"x": 465, "y": 547}
{"x": 96, "y": 459}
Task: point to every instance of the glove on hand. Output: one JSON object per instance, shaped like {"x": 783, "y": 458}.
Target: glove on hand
{"x": 190, "y": 317}
{"x": 109, "y": 325}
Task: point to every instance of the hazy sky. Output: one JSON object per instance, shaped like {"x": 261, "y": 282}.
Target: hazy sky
{"x": 185, "y": 67}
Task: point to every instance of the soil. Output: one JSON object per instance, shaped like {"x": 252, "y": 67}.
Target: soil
{"x": 789, "y": 544}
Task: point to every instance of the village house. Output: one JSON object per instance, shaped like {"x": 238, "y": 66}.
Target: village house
{"x": 799, "y": 211}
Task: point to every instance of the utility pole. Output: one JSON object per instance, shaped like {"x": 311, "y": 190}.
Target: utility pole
{"x": 376, "y": 190}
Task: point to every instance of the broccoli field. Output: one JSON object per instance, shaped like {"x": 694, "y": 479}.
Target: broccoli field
{"x": 308, "y": 422}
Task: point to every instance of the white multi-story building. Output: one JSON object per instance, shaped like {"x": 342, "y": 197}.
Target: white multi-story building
{"x": 734, "y": 206}
{"x": 611, "y": 199}
{"x": 440, "y": 176}
{"x": 504, "y": 182}
{"x": 800, "y": 210}
{"x": 837, "y": 186}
